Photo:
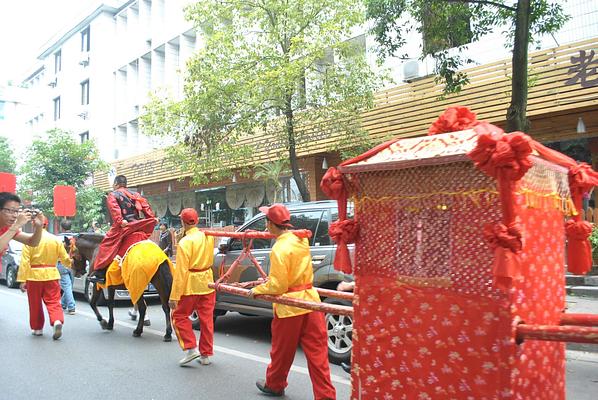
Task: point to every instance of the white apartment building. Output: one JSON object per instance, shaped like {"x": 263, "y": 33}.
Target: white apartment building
{"x": 15, "y": 108}
{"x": 94, "y": 77}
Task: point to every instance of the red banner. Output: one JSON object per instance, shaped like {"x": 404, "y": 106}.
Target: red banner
{"x": 8, "y": 182}
{"x": 65, "y": 201}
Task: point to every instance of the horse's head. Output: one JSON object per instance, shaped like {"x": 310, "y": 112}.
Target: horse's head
{"x": 83, "y": 250}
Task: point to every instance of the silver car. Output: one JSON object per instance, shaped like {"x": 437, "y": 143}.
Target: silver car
{"x": 315, "y": 216}
{"x": 10, "y": 263}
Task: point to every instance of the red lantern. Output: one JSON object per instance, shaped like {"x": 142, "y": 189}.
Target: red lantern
{"x": 65, "y": 201}
{"x": 8, "y": 182}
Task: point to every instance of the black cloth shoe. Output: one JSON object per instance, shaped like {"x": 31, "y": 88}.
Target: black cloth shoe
{"x": 261, "y": 385}
{"x": 98, "y": 276}
{"x": 346, "y": 367}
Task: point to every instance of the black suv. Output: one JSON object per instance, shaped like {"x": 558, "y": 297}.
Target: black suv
{"x": 315, "y": 216}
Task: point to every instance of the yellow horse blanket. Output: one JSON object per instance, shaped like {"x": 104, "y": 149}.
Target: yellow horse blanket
{"x": 137, "y": 267}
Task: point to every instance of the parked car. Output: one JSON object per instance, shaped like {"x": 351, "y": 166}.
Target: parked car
{"x": 315, "y": 216}
{"x": 10, "y": 263}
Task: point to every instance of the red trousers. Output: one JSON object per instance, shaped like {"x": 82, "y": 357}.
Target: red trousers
{"x": 49, "y": 293}
{"x": 117, "y": 240}
{"x": 308, "y": 330}
{"x": 203, "y": 304}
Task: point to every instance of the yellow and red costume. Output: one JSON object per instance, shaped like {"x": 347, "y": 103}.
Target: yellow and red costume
{"x": 38, "y": 270}
{"x": 291, "y": 275}
{"x": 193, "y": 272}
{"x": 124, "y": 206}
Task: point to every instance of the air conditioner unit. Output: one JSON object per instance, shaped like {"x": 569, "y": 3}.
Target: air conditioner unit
{"x": 83, "y": 112}
{"x": 53, "y": 82}
{"x": 410, "y": 70}
{"x": 84, "y": 59}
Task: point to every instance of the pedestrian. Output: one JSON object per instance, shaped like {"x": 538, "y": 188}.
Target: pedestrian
{"x": 291, "y": 275}
{"x": 39, "y": 277}
{"x": 66, "y": 274}
{"x": 165, "y": 242}
{"x": 132, "y": 221}
{"x": 134, "y": 312}
{"x": 12, "y": 219}
{"x": 190, "y": 291}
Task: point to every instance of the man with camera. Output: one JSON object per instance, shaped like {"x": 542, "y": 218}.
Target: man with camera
{"x": 13, "y": 218}
{"x": 128, "y": 226}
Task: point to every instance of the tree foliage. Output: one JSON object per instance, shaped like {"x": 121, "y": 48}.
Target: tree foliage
{"x": 59, "y": 159}
{"x": 7, "y": 156}
{"x": 277, "y": 69}
{"x": 446, "y": 24}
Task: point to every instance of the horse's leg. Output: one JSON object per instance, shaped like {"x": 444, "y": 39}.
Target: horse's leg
{"x": 93, "y": 303}
{"x": 162, "y": 281}
{"x": 110, "y": 302}
{"x": 141, "y": 309}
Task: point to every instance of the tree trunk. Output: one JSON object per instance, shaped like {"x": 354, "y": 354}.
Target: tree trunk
{"x": 516, "y": 114}
{"x": 290, "y": 131}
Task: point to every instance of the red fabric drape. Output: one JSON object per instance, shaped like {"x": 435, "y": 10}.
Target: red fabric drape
{"x": 342, "y": 231}
{"x": 505, "y": 158}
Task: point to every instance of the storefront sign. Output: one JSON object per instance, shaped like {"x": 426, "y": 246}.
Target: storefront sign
{"x": 584, "y": 70}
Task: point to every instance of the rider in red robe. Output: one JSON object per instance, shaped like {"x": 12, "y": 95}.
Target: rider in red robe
{"x": 129, "y": 226}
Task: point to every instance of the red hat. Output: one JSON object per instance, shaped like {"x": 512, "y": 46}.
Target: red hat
{"x": 189, "y": 216}
{"x": 278, "y": 214}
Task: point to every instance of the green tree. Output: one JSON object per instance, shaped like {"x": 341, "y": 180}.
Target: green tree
{"x": 59, "y": 159}
{"x": 273, "y": 68}
{"x": 454, "y": 23}
{"x": 270, "y": 173}
{"x": 7, "y": 157}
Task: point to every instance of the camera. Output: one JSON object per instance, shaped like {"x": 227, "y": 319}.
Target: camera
{"x": 33, "y": 210}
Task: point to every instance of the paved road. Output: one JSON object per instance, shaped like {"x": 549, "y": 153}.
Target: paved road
{"x": 88, "y": 363}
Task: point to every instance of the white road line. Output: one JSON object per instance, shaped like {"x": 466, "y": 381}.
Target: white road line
{"x": 225, "y": 350}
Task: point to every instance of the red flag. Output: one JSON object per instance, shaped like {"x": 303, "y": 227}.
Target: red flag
{"x": 65, "y": 201}
{"x": 8, "y": 182}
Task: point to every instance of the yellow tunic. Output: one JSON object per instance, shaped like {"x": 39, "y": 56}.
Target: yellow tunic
{"x": 39, "y": 263}
{"x": 290, "y": 268}
{"x": 194, "y": 252}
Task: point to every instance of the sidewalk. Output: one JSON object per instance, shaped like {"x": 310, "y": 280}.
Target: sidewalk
{"x": 582, "y": 305}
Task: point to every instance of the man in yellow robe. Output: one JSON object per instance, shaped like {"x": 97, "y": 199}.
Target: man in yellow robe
{"x": 39, "y": 276}
{"x": 190, "y": 291}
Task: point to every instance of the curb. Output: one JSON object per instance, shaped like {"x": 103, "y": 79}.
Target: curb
{"x": 575, "y": 355}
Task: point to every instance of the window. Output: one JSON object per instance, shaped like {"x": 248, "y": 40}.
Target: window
{"x": 85, "y": 92}
{"x": 308, "y": 220}
{"x": 84, "y": 137}
{"x": 56, "y": 108}
{"x": 85, "y": 43}
{"x": 2, "y": 109}
{"x": 258, "y": 244}
{"x": 58, "y": 61}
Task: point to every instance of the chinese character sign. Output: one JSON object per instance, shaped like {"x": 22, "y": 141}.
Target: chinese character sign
{"x": 584, "y": 70}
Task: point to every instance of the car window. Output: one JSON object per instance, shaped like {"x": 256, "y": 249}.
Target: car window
{"x": 307, "y": 220}
{"x": 257, "y": 225}
{"x": 322, "y": 238}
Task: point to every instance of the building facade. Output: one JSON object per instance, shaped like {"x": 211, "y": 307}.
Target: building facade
{"x": 96, "y": 77}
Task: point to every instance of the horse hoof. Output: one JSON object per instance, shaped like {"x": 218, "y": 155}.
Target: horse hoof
{"x": 168, "y": 338}
{"x": 136, "y": 334}
{"x": 104, "y": 324}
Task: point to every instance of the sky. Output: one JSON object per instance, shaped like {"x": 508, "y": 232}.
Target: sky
{"x": 26, "y": 25}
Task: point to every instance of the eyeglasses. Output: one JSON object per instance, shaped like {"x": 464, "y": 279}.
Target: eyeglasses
{"x": 11, "y": 211}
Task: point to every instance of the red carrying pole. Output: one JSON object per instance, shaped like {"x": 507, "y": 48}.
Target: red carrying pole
{"x": 579, "y": 319}
{"x": 321, "y": 291}
{"x": 576, "y": 334}
{"x": 302, "y": 233}
{"x": 309, "y": 305}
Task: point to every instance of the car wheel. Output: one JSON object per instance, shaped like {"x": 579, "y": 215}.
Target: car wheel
{"x": 11, "y": 277}
{"x": 340, "y": 334}
{"x": 89, "y": 292}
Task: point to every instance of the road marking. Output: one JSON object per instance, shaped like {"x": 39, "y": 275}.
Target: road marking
{"x": 225, "y": 350}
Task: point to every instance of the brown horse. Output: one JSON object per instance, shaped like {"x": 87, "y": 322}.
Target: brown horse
{"x": 84, "y": 248}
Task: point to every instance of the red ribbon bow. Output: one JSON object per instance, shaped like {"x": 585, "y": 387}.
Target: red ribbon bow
{"x": 506, "y": 243}
{"x": 453, "y": 119}
{"x": 343, "y": 232}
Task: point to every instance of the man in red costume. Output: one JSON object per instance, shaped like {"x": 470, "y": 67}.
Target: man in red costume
{"x": 128, "y": 226}
{"x": 292, "y": 275}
